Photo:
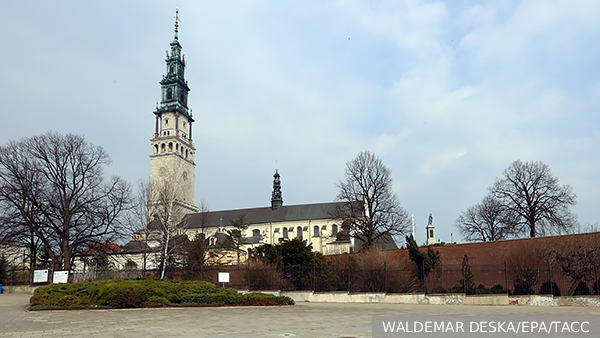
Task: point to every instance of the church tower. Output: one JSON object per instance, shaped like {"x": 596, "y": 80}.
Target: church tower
{"x": 430, "y": 231}
{"x": 276, "y": 199}
{"x": 172, "y": 152}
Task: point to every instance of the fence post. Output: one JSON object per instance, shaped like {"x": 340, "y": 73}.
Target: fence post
{"x": 464, "y": 282}
{"x": 550, "y": 278}
{"x": 596, "y": 285}
{"x": 385, "y": 276}
{"x": 505, "y": 277}
{"x": 280, "y": 269}
{"x": 314, "y": 277}
{"x": 424, "y": 278}
{"x": 348, "y": 265}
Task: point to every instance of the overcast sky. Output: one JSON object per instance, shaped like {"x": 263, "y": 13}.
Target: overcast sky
{"x": 447, "y": 94}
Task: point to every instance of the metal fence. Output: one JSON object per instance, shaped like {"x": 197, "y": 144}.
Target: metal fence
{"x": 518, "y": 280}
{"x": 15, "y": 276}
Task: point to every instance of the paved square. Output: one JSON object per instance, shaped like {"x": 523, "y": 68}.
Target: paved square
{"x": 301, "y": 320}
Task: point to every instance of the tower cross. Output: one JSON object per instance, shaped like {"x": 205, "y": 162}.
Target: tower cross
{"x": 177, "y": 21}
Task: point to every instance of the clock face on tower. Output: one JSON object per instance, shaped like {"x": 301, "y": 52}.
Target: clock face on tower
{"x": 162, "y": 171}
{"x": 185, "y": 175}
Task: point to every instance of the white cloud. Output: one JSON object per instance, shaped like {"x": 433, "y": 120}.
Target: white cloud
{"x": 279, "y": 84}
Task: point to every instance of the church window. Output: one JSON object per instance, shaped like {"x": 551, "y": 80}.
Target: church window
{"x": 256, "y": 233}
{"x": 316, "y": 231}
{"x": 169, "y": 94}
{"x": 168, "y": 133}
{"x": 166, "y": 121}
{"x": 156, "y": 148}
{"x": 162, "y": 147}
{"x": 170, "y": 146}
{"x": 299, "y": 232}
{"x": 177, "y": 147}
{"x": 186, "y": 153}
{"x": 172, "y": 69}
{"x": 431, "y": 233}
{"x": 285, "y": 233}
{"x": 334, "y": 230}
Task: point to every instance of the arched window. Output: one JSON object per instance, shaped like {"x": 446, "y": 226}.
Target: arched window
{"x": 186, "y": 153}
{"x": 299, "y": 232}
{"x": 172, "y": 69}
{"x": 316, "y": 231}
{"x": 170, "y": 146}
{"x": 166, "y": 121}
{"x": 156, "y": 148}
{"x": 285, "y": 233}
{"x": 169, "y": 93}
{"x": 256, "y": 233}
{"x": 162, "y": 148}
{"x": 334, "y": 230}
{"x": 177, "y": 147}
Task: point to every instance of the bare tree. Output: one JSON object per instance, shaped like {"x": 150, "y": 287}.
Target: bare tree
{"x": 53, "y": 185}
{"x": 486, "y": 221}
{"x": 579, "y": 258}
{"x": 138, "y": 220}
{"x": 197, "y": 248}
{"x": 167, "y": 215}
{"x": 536, "y": 199}
{"x": 18, "y": 179}
{"x": 371, "y": 209}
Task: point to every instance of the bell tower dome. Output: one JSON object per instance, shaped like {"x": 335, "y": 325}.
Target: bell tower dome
{"x": 172, "y": 151}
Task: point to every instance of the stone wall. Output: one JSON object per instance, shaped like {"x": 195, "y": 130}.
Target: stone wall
{"x": 435, "y": 299}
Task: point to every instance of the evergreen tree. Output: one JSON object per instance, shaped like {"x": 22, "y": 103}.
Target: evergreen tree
{"x": 468, "y": 279}
{"x": 425, "y": 261}
{"x": 3, "y": 269}
{"x": 235, "y": 236}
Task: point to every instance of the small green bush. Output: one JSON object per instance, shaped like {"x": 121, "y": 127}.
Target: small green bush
{"x": 157, "y": 301}
{"x": 479, "y": 290}
{"x": 151, "y": 292}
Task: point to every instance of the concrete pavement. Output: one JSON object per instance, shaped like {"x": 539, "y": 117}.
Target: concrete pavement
{"x": 301, "y": 320}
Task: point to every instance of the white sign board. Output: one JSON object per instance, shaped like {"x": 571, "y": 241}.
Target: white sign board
{"x": 40, "y": 276}
{"x": 223, "y": 277}
{"x": 60, "y": 277}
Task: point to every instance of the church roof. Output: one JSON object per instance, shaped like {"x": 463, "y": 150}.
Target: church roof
{"x": 287, "y": 213}
{"x": 136, "y": 247}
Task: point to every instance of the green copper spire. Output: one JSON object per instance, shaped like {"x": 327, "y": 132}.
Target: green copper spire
{"x": 174, "y": 88}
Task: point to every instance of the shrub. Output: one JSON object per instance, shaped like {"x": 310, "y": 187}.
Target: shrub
{"x": 323, "y": 275}
{"x": 479, "y": 290}
{"x": 582, "y": 289}
{"x": 596, "y": 287}
{"x": 550, "y": 289}
{"x": 157, "y": 301}
{"x": 524, "y": 265}
{"x": 263, "y": 276}
{"x": 127, "y": 293}
{"x": 378, "y": 271}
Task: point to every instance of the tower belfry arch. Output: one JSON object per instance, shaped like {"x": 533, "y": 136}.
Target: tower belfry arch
{"x": 172, "y": 154}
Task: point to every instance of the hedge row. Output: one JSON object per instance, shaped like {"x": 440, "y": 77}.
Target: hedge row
{"x": 134, "y": 293}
